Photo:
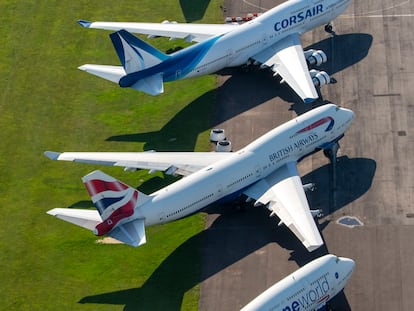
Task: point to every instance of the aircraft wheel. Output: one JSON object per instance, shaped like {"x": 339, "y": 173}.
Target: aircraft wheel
{"x": 328, "y": 28}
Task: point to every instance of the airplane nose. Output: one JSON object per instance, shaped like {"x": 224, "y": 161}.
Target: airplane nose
{"x": 349, "y": 113}
{"x": 347, "y": 263}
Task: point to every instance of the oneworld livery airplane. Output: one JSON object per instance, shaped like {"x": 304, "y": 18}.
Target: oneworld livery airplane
{"x": 264, "y": 171}
{"x": 308, "y": 288}
{"x": 272, "y": 40}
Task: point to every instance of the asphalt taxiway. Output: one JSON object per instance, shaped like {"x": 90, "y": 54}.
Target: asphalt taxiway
{"x": 370, "y": 57}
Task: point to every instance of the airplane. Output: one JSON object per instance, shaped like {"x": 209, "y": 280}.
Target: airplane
{"x": 271, "y": 40}
{"x": 308, "y": 288}
{"x": 264, "y": 171}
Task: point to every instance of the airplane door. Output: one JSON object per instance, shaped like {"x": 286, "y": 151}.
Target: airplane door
{"x": 258, "y": 170}
{"x": 229, "y": 55}
{"x": 178, "y": 74}
{"x": 219, "y": 190}
{"x": 161, "y": 217}
{"x": 264, "y": 39}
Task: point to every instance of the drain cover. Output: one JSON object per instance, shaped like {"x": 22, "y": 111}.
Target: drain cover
{"x": 349, "y": 221}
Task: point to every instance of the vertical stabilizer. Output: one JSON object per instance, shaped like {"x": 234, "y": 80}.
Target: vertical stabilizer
{"x": 135, "y": 54}
{"x": 115, "y": 202}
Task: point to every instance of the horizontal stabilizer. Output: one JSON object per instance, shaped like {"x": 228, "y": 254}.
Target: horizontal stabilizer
{"x": 152, "y": 85}
{"x": 84, "y": 23}
{"x": 131, "y": 233}
{"x": 81, "y": 217}
{"x": 111, "y": 73}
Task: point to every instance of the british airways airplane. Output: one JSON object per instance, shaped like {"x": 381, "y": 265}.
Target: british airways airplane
{"x": 272, "y": 40}
{"x": 308, "y": 288}
{"x": 265, "y": 171}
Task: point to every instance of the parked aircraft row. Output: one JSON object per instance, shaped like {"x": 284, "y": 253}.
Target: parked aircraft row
{"x": 271, "y": 40}
{"x": 264, "y": 172}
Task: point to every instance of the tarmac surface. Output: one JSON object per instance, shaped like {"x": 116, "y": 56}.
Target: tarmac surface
{"x": 370, "y": 57}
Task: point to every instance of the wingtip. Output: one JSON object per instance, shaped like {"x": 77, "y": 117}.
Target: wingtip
{"x": 84, "y": 23}
{"x": 52, "y": 212}
{"x": 313, "y": 247}
{"x": 309, "y": 100}
{"x": 83, "y": 67}
{"x": 52, "y": 155}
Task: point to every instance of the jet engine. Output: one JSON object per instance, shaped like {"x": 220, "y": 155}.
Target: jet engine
{"x": 315, "y": 57}
{"x": 319, "y": 78}
{"x": 223, "y": 146}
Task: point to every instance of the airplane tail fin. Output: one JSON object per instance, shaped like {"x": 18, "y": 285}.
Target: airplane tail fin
{"x": 116, "y": 203}
{"x": 134, "y": 53}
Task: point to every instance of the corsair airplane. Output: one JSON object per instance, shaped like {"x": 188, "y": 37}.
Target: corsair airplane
{"x": 272, "y": 40}
{"x": 308, "y": 288}
{"x": 264, "y": 171}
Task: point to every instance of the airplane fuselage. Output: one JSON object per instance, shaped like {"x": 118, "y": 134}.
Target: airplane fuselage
{"x": 238, "y": 46}
{"x": 286, "y": 143}
{"x": 308, "y": 288}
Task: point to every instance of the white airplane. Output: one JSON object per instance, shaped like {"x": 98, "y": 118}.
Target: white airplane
{"x": 264, "y": 171}
{"x": 308, "y": 288}
{"x": 272, "y": 40}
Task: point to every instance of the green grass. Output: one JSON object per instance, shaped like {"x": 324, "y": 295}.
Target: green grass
{"x": 47, "y": 104}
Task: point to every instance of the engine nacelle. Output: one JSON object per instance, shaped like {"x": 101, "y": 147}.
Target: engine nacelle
{"x": 223, "y": 146}
{"x": 319, "y": 78}
{"x": 217, "y": 135}
{"x": 315, "y": 57}
{"x": 309, "y": 187}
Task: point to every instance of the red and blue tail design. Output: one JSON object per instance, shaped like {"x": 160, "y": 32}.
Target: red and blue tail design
{"x": 317, "y": 124}
{"x": 114, "y": 200}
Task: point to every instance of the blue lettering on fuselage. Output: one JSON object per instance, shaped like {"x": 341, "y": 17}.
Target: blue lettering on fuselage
{"x": 316, "y": 294}
{"x": 298, "y": 17}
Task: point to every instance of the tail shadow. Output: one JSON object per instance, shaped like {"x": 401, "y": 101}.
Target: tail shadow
{"x": 194, "y": 10}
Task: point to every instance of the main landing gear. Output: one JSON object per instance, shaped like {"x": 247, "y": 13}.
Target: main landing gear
{"x": 329, "y": 29}
{"x": 332, "y": 152}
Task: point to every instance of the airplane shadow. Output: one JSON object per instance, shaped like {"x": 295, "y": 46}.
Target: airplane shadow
{"x": 343, "y": 51}
{"x": 353, "y": 177}
{"x": 232, "y": 236}
{"x": 194, "y": 10}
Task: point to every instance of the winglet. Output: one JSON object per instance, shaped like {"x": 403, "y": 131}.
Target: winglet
{"x": 84, "y": 23}
{"x": 52, "y": 155}
{"x": 309, "y": 100}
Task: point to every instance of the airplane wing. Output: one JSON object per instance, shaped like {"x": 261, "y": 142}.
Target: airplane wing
{"x": 131, "y": 233}
{"x": 283, "y": 192}
{"x": 188, "y": 32}
{"x": 179, "y": 163}
{"x": 286, "y": 58}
